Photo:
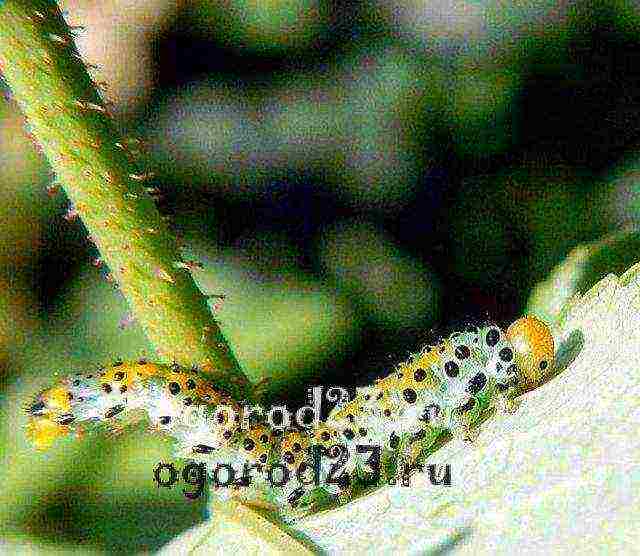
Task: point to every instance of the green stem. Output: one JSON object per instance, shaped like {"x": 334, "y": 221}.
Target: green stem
{"x": 40, "y": 63}
{"x": 67, "y": 118}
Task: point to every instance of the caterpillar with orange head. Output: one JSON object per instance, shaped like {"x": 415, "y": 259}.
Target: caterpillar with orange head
{"x": 443, "y": 389}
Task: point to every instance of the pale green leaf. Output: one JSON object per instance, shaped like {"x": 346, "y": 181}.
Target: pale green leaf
{"x": 559, "y": 476}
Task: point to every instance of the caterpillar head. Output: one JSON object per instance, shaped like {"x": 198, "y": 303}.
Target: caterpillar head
{"x": 534, "y": 348}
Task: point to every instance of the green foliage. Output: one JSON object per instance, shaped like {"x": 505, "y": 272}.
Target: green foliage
{"x": 582, "y": 268}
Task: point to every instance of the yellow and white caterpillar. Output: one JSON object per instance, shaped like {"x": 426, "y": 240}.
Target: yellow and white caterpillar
{"x": 383, "y": 431}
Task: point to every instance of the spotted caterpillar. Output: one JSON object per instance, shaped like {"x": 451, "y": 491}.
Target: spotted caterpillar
{"x": 443, "y": 389}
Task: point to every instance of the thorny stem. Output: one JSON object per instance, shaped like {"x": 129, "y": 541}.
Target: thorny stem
{"x": 68, "y": 118}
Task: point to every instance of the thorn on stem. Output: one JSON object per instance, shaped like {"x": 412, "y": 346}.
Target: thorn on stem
{"x": 126, "y": 321}
{"x": 189, "y": 265}
{"x": 164, "y": 275}
{"x": 59, "y": 39}
{"x": 141, "y": 177}
{"x": 71, "y": 214}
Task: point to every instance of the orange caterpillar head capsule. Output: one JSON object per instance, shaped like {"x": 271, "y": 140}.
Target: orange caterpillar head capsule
{"x": 534, "y": 348}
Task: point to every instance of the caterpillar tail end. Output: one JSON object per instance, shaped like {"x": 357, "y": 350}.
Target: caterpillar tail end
{"x": 42, "y": 432}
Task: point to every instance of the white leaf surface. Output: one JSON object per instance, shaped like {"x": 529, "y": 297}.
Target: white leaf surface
{"x": 561, "y": 476}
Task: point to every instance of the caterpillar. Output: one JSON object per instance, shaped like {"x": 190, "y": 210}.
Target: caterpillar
{"x": 443, "y": 389}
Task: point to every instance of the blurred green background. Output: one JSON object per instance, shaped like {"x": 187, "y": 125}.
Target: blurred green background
{"x": 350, "y": 174}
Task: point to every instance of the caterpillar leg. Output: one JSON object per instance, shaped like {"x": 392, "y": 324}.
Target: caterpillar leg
{"x": 290, "y": 501}
{"x": 298, "y": 481}
{"x": 508, "y": 405}
{"x": 470, "y": 434}
{"x": 260, "y": 505}
{"x": 462, "y": 427}
{"x": 405, "y": 461}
